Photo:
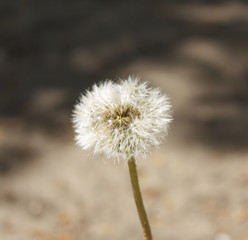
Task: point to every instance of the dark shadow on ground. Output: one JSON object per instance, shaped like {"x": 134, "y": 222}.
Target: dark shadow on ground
{"x": 14, "y": 156}
{"x": 224, "y": 125}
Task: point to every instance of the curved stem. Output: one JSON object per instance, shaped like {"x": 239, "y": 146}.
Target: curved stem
{"x": 138, "y": 199}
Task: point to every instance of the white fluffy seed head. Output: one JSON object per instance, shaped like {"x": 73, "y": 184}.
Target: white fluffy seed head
{"x": 121, "y": 119}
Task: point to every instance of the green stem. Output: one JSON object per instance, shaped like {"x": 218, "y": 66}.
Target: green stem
{"x": 138, "y": 199}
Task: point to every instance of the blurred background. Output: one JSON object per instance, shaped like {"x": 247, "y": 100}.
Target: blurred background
{"x": 194, "y": 186}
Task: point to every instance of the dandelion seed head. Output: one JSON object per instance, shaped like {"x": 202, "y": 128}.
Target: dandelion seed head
{"x": 121, "y": 119}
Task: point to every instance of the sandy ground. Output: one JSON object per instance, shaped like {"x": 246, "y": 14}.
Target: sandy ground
{"x": 194, "y": 186}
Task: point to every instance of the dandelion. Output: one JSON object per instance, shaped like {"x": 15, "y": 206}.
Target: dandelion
{"x": 123, "y": 120}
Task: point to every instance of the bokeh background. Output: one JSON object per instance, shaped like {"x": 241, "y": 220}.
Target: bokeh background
{"x": 195, "y": 186}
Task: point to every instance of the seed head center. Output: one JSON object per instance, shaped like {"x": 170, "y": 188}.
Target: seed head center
{"x": 122, "y": 116}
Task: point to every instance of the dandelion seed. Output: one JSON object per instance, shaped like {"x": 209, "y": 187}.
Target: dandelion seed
{"x": 121, "y": 119}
